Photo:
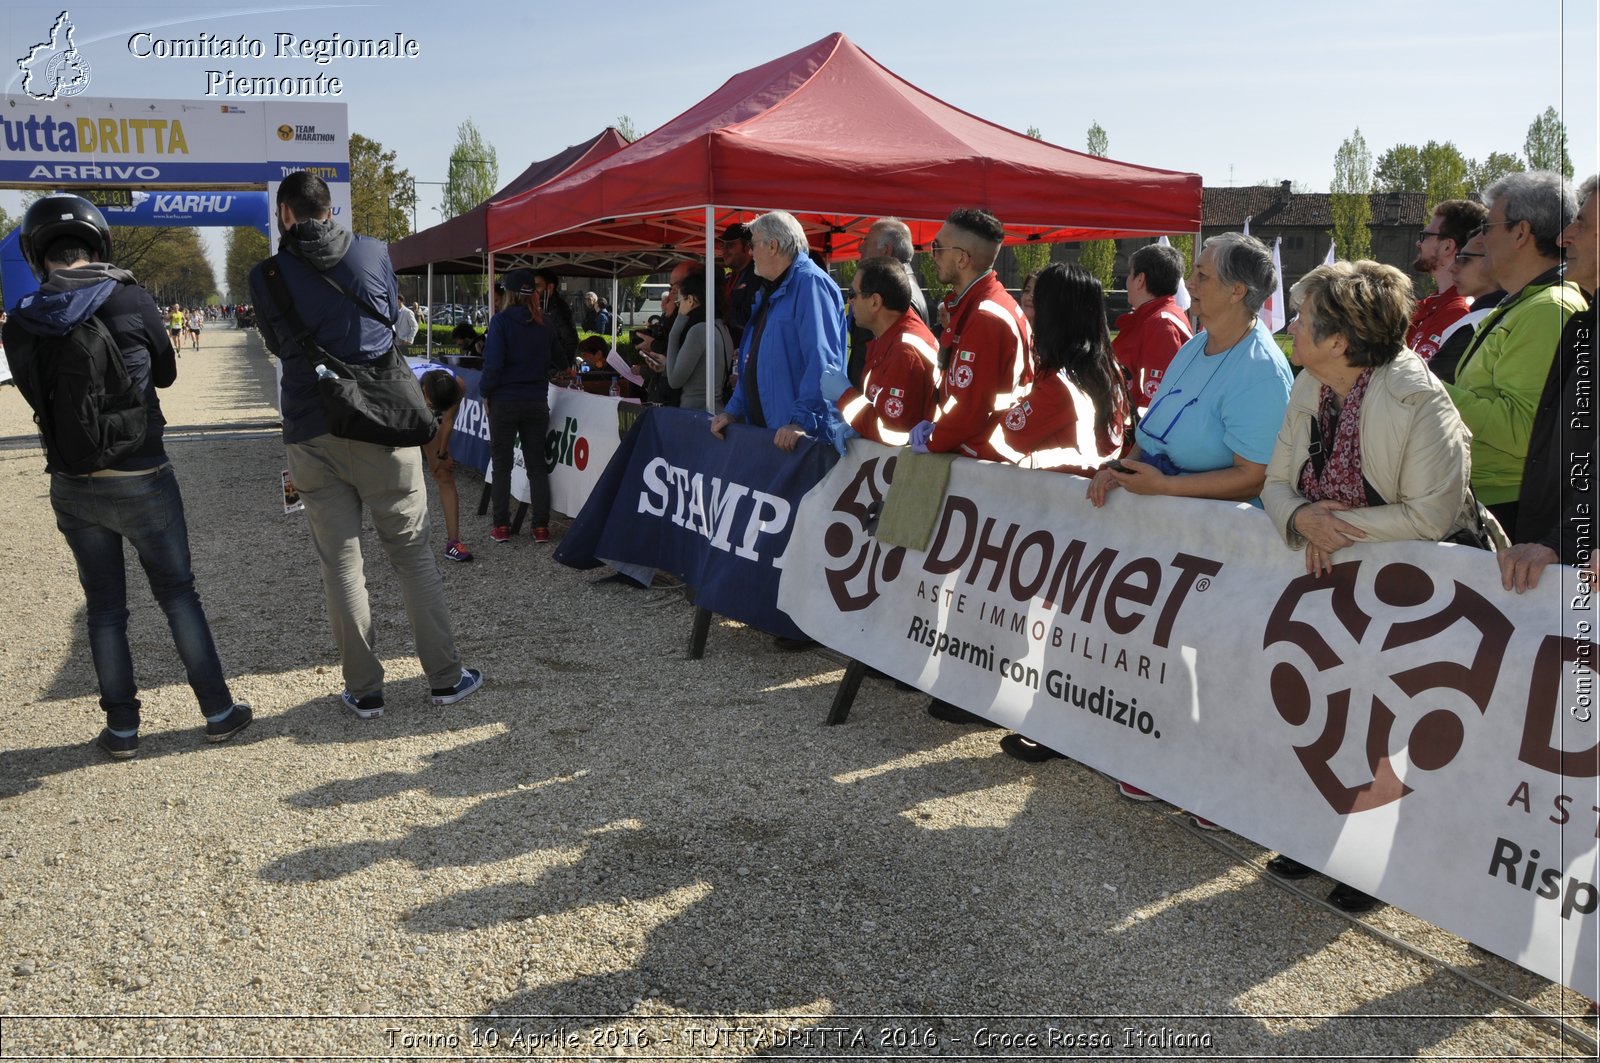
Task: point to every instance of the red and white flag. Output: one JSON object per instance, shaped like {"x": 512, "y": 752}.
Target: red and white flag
{"x": 1272, "y": 309}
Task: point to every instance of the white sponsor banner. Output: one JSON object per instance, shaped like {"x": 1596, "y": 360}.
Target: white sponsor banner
{"x": 583, "y": 437}
{"x": 145, "y": 143}
{"x": 1404, "y": 724}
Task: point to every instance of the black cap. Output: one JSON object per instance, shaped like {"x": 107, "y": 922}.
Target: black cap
{"x": 519, "y": 281}
{"x": 737, "y": 231}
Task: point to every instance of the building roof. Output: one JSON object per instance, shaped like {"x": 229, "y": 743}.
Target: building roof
{"x": 1277, "y": 206}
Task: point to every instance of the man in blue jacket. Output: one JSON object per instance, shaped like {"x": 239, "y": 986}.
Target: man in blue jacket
{"x": 796, "y": 331}
{"x": 344, "y": 290}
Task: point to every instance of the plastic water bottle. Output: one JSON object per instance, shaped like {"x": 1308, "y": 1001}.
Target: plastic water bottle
{"x": 616, "y": 388}
{"x": 324, "y": 373}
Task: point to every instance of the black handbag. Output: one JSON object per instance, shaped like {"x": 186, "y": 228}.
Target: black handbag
{"x": 372, "y": 402}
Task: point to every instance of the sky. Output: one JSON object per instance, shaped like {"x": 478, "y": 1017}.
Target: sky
{"x": 1242, "y": 92}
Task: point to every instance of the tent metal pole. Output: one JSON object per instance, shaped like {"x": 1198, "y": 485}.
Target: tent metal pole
{"x": 429, "y": 341}
{"x": 713, "y": 388}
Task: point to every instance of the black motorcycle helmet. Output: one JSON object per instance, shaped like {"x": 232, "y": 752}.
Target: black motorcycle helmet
{"x": 57, "y": 217}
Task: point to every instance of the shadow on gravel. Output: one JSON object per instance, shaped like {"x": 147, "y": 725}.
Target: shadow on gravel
{"x": 791, "y": 904}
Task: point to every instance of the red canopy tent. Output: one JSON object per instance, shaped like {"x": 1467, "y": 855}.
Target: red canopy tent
{"x": 833, "y": 137}
{"x": 460, "y": 244}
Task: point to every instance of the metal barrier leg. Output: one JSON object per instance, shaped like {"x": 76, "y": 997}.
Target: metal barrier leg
{"x": 698, "y": 633}
{"x": 516, "y": 522}
{"x": 845, "y": 695}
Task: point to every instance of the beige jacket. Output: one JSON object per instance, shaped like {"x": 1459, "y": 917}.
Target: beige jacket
{"x": 1415, "y": 451}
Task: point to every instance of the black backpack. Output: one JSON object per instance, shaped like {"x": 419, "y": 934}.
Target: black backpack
{"x": 90, "y": 412}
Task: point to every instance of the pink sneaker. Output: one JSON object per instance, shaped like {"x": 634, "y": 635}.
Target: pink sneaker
{"x": 500, "y": 533}
{"x": 541, "y": 534}
{"x": 1133, "y": 793}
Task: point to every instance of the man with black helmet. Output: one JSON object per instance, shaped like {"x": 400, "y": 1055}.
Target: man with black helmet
{"x": 135, "y": 496}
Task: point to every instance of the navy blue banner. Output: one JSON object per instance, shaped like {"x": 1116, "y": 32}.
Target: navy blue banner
{"x": 715, "y": 513}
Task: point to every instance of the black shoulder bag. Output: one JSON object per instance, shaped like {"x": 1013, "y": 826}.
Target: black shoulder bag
{"x": 371, "y": 402}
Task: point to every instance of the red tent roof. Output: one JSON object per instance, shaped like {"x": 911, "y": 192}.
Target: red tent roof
{"x": 830, "y": 135}
{"x": 458, "y": 245}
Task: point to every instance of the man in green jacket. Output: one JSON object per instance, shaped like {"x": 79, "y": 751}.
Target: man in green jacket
{"x": 1502, "y": 373}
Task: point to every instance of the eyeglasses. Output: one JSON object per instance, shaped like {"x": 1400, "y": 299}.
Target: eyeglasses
{"x": 1147, "y": 423}
{"x": 936, "y": 247}
{"x": 1468, "y": 254}
{"x": 1427, "y": 234}
{"x": 857, "y": 293}
{"x": 1483, "y": 230}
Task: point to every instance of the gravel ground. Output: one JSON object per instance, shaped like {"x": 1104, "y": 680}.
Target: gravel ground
{"x": 650, "y": 855}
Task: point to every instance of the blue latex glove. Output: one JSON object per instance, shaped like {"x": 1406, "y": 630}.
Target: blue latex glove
{"x": 840, "y": 434}
{"x": 834, "y": 384}
{"x": 920, "y": 436}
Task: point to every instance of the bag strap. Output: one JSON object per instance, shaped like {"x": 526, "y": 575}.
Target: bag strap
{"x": 358, "y": 304}
{"x": 279, "y": 289}
{"x": 1318, "y": 455}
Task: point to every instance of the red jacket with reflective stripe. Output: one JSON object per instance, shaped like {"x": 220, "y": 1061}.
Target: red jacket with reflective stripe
{"x": 1433, "y": 315}
{"x": 1147, "y": 338}
{"x": 1053, "y": 427}
{"x": 898, "y": 383}
{"x": 990, "y": 351}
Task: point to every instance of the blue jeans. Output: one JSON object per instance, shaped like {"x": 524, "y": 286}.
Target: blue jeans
{"x": 96, "y": 513}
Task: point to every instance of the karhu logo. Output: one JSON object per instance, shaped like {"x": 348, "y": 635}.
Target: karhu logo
{"x": 1331, "y": 684}
{"x": 54, "y": 67}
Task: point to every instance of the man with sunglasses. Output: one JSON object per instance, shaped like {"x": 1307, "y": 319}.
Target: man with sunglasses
{"x": 898, "y": 377}
{"x": 1473, "y": 282}
{"x": 986, "y": 351}
{"x": 1448, "y": 229}
{"x": 1503, "y": 371}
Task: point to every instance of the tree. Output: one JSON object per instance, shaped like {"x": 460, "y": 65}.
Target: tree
{"x": 1546, "y": 146}
{"x": 383, "y": 199}
{"x": 625, "y": 128}
{"x": 1480, "y": 175}
{"x": 169, "y": 262}
{"x": 1099, "y": 257}
{"x": 1031, "y": 256}
{"x": 474, "y": 172}
{"x": 245, "y": 247}
{"x": 1348, "y": 202}
{"x": 1436, "y": 170}
{"x": 1184, "y": 244}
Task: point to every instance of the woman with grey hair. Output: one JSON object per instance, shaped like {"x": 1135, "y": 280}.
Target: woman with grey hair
{"x": 1212, "y": 424}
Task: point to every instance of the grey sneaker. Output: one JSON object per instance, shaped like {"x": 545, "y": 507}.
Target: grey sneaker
{"x": 238, "y": 719}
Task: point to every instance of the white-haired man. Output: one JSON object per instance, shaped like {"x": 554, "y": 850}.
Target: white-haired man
{"x": 796, "y": 332}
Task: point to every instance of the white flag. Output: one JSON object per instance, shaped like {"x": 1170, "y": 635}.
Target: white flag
{"x": 1182, "y": 294}
{"x": 1247, "y": 218}
{"x": 1272, "y": 309}
{"x": 1332, "y": 258}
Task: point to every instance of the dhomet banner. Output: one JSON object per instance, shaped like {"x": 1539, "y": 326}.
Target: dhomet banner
{"x": 1405, "y": 724}
{"x": 716, "y": 513}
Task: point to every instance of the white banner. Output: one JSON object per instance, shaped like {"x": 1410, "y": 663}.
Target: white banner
{"x": 583, "y": 437}
{"x": 1405, "y": 724}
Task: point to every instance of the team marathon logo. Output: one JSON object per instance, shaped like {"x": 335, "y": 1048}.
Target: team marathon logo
{"x": 54, "y": 68}
{"x": 1349, "y": 682}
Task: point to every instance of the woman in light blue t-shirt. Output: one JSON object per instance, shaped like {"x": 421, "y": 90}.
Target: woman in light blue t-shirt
{"x": 1212, "y": 424}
